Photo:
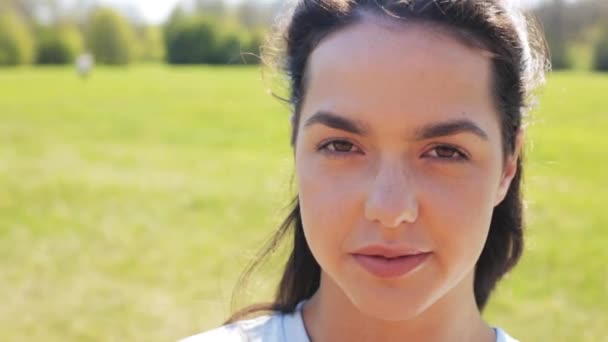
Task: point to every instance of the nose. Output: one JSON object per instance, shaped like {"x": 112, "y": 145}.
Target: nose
{"x": 391, "y": 199}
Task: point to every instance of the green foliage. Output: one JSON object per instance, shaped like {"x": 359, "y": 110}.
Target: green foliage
{"x": 58, "y": 45}
{"x": 16, "y": 42}
{"x": 229, "y": 51}
{"x": 253, "y": 45}
{"x": 558, "y": 47}
{"x": 191, "y": 40}
{"x": 600, "y": 52}
{"x": 231, "y": 41}
{"x": 569, "y": 26}
{"x": 150, "y": 44}
{"x": 110, "y": 38}
{"x": 208, "y": 40}
{"x": 553, "y": 19}
{"x": 560, "y": 58}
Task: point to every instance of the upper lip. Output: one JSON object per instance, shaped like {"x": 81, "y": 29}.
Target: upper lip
{"x": 389, "y": 251}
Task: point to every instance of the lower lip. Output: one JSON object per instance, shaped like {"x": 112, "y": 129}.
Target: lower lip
{"x": 390, "y": 268}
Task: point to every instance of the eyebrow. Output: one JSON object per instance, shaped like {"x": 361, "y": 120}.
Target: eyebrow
{"x": 429, "y": 131}
{"x": 450, "y": 128}
{"x": 336, "y": 121}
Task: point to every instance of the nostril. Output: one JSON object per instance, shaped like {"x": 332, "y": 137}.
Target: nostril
{"x": 392, "y": 213}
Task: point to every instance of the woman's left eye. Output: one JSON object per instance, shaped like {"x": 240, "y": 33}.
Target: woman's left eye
{"x": 447, "y": 152}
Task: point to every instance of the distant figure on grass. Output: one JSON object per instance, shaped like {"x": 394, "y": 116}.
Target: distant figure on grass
{"x": 407, "y": 132}
{"x": 84, "y": 64}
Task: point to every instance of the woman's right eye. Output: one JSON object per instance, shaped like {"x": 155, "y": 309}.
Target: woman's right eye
{"x": 339, "y": 147}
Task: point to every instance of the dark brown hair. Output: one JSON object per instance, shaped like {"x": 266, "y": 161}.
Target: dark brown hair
{"x": 519, "y": 61}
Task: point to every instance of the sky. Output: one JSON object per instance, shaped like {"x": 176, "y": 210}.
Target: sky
{"x": 156, "y": 11}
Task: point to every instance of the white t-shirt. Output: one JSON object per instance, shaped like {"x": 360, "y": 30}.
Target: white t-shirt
{"x": 276, "y": 328}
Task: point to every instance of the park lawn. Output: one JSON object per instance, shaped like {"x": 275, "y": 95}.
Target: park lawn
{"x": 131, "y": 201}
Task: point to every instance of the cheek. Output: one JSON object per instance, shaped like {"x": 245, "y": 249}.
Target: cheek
{"x": 328, "y": 206}
{"x": 457, "y": 216}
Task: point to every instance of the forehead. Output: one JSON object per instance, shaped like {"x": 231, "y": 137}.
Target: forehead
{"x": 410, "y": 71}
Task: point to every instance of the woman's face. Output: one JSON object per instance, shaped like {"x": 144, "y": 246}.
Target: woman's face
{"x": 398, "y": 153}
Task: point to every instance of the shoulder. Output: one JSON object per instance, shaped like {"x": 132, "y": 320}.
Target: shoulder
{"x": 267, "y": 328}
{"x": 502, "y": 336}
{"x": 256, "y": 329}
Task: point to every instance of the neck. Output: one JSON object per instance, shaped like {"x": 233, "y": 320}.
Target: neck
{"x": 330, "y": 316}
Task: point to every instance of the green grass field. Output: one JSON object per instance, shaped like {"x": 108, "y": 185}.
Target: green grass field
{"x": 130, "y": 202}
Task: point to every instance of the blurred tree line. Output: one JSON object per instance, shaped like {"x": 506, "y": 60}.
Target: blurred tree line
{"x": 576, "y": 31}
{"x": 211, "y": 32}
{"x": 214, "y": 32}
{"x": 198, "y": 31}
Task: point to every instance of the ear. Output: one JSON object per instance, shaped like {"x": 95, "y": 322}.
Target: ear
{"x": 510, "y": 168}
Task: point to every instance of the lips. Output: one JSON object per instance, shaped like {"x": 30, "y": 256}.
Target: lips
{"x": 387, "y": 262}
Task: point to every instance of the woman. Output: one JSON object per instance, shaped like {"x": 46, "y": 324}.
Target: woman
{"x": 407, "y": 137}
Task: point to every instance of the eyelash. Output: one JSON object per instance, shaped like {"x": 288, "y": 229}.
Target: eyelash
{"x": 461, "y": 156}
{"x": 333, "y": 153}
